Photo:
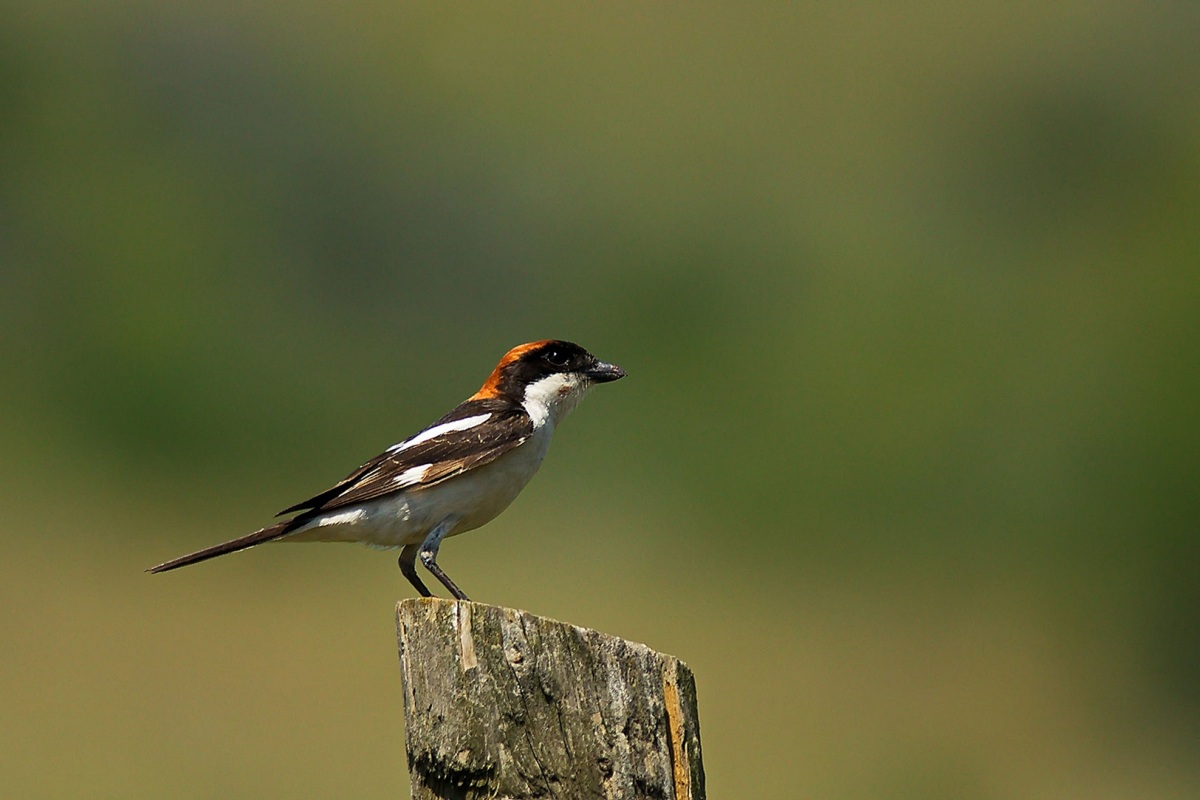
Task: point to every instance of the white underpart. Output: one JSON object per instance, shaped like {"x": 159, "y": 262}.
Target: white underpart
{"x": 469, "y": 500}
{"x": 437, "y": 430}
{"x": 411, "y": 475}
{"x": 550, "y": 399}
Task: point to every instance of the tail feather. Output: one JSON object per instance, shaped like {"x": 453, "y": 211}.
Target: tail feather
{"x": 232, "y": 546}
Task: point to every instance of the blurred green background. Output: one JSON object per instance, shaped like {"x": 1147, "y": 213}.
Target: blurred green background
{"x": 907, "y": 467}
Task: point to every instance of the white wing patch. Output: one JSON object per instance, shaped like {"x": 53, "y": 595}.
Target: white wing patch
{"x": 437, "y": 430}
{"x": 345, "y": 518}
{"x": 411, "y": 475}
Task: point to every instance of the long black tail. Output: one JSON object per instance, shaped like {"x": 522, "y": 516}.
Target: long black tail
{"x": 232, "y": 546}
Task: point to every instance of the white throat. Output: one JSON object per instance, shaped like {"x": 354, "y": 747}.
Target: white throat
{"x": 548, "y": 400}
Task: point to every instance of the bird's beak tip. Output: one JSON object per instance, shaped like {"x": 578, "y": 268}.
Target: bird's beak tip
{"x": 603, "y": 372}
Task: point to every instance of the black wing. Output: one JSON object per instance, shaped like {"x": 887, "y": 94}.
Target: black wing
{"x": 443, "y": 456}
{"x": 431, "y": 459}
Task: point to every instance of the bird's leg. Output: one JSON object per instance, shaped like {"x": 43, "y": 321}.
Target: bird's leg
{"x": 429, "y": 551}
{"x": 408, "y": 568}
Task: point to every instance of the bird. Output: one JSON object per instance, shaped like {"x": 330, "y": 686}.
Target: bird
{"x": 452, "y": 477}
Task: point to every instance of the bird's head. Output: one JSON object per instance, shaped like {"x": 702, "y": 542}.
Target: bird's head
{"x": 548, "y": 377}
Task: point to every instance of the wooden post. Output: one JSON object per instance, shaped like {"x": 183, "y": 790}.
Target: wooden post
{"x": 499, "y": 703}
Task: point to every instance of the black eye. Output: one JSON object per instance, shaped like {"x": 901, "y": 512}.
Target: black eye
{"x": 556, "y": 357}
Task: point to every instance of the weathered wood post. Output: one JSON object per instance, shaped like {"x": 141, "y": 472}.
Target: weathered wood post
{"x": 499, "y": 703}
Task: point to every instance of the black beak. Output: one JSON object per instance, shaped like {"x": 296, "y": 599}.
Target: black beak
{"x": 602, "y": 372}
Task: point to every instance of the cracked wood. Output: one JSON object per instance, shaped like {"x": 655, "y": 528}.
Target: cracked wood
{"x": 501, "y": 703}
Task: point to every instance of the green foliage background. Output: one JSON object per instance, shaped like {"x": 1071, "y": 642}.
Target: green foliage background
{"x": 906, "y": 467}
